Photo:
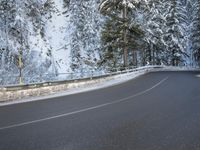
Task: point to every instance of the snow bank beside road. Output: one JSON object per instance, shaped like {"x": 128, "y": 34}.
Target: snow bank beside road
{"x": 46, "y": 92}
{"x": 21, "y": 96}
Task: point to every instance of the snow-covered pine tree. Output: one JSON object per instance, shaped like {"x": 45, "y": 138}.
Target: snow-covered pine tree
{"x": 118, "y": 12}
{"x": 190, "y": 12}
{"x": 20, "y": 21}
{"x": 178, "y": 34}
{"x": 173, "y": 35}
{"x": 85, "y": 39}
{"x": 185, "y": 12}
{"x": 38, "y": 13}
{"x": 7, "y": 16}
{"x": 151, "y": 18}
{"x": 112, "y": 43}
{"x": 195, "y": 37}
{"x": 184, "y": 27}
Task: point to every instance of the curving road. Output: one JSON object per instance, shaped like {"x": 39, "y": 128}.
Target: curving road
{"x": 157, "y": 111}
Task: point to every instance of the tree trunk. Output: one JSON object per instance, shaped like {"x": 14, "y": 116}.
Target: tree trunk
{"x": 153, "y": 57}
{"x": 173, "y": 58}
{"x": 20, "y": 56}
{"x": 6, "y": 53}
{"x": 149, "y": 53}
{"x": 135, "y": 62}
{"x": 125, "y": 37}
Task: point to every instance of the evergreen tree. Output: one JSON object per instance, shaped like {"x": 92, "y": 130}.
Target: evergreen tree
{"x": 85, "y": 42}
{"x": 196, "y": 32}
{"x": 119, "y": 12}
{"x": 173, "y": 35}
{"x": 7, "y": 16}
{"x": 153, "y": 23}
{"x": 185, "y": 18}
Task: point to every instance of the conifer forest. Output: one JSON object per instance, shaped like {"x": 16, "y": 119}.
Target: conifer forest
{"x": 51, "y": 37}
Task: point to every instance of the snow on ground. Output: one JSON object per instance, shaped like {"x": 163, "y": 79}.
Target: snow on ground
{"x": 96, "y": 84}
{"x": 57, "y": 32}
{"x": 84, "y": 87}
{"x": 198, "y": 76}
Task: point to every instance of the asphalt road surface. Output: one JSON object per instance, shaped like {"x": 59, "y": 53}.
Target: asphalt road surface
{"x": 157, "y": 111}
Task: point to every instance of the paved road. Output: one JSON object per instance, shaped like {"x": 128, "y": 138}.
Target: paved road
{"x": 157, "y": 111}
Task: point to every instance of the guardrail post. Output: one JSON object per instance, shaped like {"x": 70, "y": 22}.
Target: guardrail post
{"x": 71, "y": 76}
{"x": 92, "y": 73}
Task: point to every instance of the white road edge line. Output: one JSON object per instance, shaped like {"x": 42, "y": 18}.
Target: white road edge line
{"x": 86, "y": 109}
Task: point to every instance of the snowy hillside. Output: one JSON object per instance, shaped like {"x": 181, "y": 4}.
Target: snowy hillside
{"x": 42, "y": 39}
{"x": 57, "y": 31}
{"x": 49, "y": 33}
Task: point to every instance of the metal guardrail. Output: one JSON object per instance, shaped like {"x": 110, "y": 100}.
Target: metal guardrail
{"x": 91, "y": 76}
